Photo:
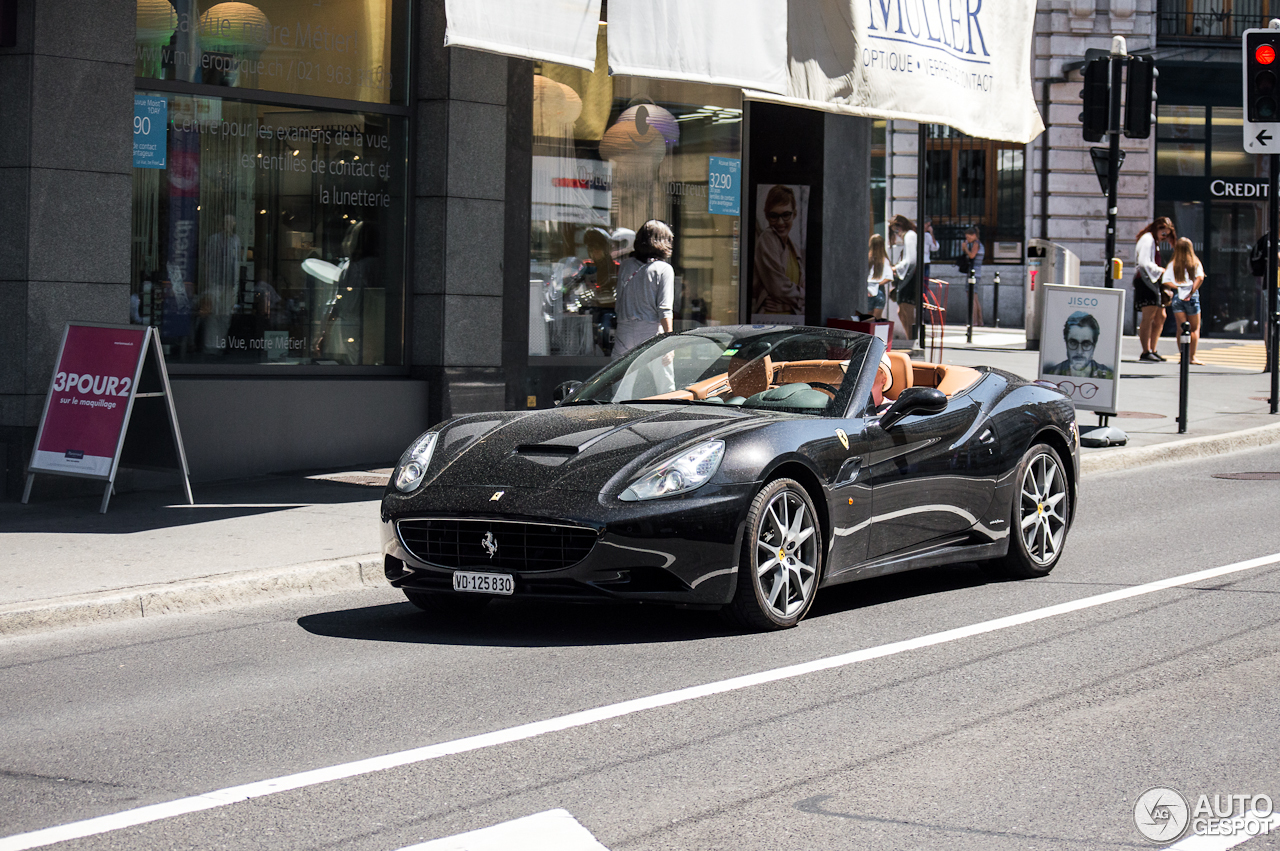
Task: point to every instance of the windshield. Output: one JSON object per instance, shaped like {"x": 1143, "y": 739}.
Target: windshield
{"x": 773, "y": 367}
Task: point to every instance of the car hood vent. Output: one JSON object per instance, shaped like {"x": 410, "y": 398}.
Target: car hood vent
{"x": 546, "y": 449}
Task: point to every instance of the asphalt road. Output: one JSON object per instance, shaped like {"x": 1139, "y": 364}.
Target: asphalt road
{"x": 1038, "y": 734}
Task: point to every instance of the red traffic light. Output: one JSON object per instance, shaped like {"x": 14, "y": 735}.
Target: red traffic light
{"x": 1265, "y": 54}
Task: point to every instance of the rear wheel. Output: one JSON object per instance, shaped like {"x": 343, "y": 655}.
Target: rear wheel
{"x": 447, "y": 605}
{"x": 781, "y": 558}
{"x": 1041, "y": 515}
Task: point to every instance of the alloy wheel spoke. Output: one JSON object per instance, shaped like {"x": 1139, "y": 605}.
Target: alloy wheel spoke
{"x": 768, "y": 566}
{"x": 1031, "y": 517}
{"x": 778, "y": 582}
{"x": 778, "y": 526}
{"x": 796, "y": 523}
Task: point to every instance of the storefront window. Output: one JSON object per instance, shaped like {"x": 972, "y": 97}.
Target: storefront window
{"x": 323, "y": 48}
{"x": 975, "y": 182}
{"x": 1226, "y": 150}
{"x": 1233, "y": 299}
{"x": 1180, "y": 148}
{"x": 267, "y": 234}
{"x": 879, "y": 182}
{"x": 610, "y": 153}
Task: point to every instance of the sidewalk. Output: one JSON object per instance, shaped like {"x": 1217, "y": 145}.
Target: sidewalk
{"x": 63, "y": 564}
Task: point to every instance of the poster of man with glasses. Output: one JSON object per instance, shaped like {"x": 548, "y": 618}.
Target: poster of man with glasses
{"x": 1080, "y": 344}
{"x": 777, "y": 268}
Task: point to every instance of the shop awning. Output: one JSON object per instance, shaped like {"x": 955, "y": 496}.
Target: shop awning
{"x": 561, "y": 31}
{"x": 964, "y": 63}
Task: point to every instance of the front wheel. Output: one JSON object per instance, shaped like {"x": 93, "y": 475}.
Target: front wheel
{"x": 781, "y": 558}
{"x": 1041, "y": 515}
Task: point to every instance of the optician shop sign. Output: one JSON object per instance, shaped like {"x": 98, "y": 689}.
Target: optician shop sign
{"x": 107, "y": 403}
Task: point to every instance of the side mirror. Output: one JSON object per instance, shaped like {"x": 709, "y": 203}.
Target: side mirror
{"x": 914, "y": 400}
{"x": 564, "y": 390}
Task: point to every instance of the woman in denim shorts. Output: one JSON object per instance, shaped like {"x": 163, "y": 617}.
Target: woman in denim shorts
{"x": 1186, "y": 273}
{"x": 880, "y": 275}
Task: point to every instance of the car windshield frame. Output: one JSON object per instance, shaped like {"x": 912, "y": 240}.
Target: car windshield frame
{"x": 788, "y": 368}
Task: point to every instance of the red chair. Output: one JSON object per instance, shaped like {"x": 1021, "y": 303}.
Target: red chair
{"x": 936, "y": 309}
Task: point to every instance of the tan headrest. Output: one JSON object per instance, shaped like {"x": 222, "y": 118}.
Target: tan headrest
{"x": 900, "y": 366}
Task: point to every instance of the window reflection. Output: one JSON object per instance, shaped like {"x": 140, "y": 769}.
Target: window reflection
{"x": 271, "y": 235}
{"x": 1180, "y": 138}
{"x": 326, "y": 49}
{"x": 610, "y": 153}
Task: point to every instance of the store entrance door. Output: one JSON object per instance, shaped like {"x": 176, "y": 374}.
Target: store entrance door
{"x": 1231, "y": 298}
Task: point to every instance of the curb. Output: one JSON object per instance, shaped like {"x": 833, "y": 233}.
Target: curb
{"x": 1103, "y": 461}
{"x": 207, "y": 593}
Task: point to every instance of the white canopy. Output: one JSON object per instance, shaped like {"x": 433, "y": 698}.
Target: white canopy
{"x": 561, "y": 31}
{"x": 964, "y": 63}
{"x": 723, "y": 42}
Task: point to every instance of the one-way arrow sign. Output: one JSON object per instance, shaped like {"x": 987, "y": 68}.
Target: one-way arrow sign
{"x": 1262, "y": 137}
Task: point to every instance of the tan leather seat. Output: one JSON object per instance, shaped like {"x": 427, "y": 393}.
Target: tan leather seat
{"x": 903, "y": 375}
{"x": 747, "y": 378}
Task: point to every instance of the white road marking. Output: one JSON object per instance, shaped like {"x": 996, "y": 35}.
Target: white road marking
{"x": 554, "y": 830}
{"x": 1239, "y": 825}
{"x": 236, "y": 794}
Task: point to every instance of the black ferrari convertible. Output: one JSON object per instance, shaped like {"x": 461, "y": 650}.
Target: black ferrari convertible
{"x": 740, "y": 468}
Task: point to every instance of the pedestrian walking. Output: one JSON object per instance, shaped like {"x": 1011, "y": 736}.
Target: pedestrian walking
{"x": 973, "y": 252}
{"x": 879, "y": 275}
{"x": 930, "y": 246}
{"x": 1186, "y": 274}
{"x": 906, "y": 273}
{"x": 1148, "y": 296}
{"x": 646, "y": 288}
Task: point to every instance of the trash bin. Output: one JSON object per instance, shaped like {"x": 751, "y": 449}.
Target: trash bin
{"x": 1047, "y": 263}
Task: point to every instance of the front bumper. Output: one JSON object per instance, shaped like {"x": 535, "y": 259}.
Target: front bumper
{"x": 681, "y": 550}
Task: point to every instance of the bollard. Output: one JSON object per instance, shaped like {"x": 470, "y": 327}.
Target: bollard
{"x": 995, "y": 298}
{"x": 1273, "y": 356}
{"x": 968, "y": 334}
{"x": 1184, "y": 377}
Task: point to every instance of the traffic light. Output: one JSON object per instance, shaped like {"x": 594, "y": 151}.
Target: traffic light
{"x": 1140, "y": 94}
{"x": 1261, "y": 61}
{"x": 1261, "y": 53}
{"x": 1096, "y": 95}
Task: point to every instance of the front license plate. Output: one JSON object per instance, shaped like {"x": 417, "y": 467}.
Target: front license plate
{"x": 484, "y": 583}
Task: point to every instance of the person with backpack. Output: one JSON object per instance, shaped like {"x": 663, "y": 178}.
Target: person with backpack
{"x": 1148, "y": 296}
{"x": 1186, "y": 273}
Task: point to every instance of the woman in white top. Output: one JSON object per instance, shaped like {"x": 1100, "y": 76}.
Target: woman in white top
{"x": 646, "y": 288}
{"x": 1146, "y": 285}
{"x": 906, "y": 273}
{"x": 1186, "y": 273}
{"x": 879, "y": 275}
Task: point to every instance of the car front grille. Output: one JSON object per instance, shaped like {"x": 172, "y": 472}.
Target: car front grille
{"x": 496, "y": 543}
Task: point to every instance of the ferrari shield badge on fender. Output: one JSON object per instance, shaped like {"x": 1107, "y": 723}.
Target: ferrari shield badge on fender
{"x": 844, "y": 438}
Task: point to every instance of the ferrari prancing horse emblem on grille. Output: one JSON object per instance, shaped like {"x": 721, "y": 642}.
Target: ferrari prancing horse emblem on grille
{"x": 489, "y": 543}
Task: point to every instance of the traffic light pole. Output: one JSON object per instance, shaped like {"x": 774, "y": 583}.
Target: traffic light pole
{"x": 923, "y": 196}
{"x": 1273, "y": 294}
{"x": 1118, "y": 52}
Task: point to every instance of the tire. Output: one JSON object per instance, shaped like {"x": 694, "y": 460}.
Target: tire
{"x": 447, "y": 605}
{"x": 1040, "y": 517}
{"x": 776, "y": 593}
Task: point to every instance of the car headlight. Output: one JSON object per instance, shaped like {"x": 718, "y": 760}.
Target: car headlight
{"x": 685, "y": 472}
{"x": 412, "y": 467}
